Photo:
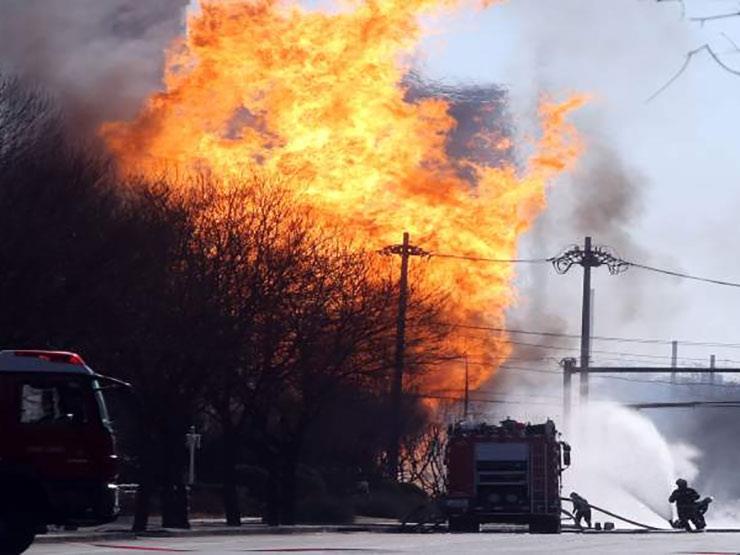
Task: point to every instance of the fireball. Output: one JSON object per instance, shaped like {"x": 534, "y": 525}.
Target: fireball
{"x": 321, "y": 96}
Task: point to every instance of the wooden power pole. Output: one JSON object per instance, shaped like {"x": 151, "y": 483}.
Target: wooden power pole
{"x": 398, "y": 363}
{"x": 587, "y": 263}
{"x": 587, "y": 257}
{"x": 405, "y": 250}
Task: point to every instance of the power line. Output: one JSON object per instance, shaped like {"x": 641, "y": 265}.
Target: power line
{"x": 525, "y": 369}
{"x": 619, "y": 378}
{"x": 565, "y": 260}
{"x": 495, "y": 260}
{"x": 645, "y": 341}
{"x": 626, "y": 379}
{"x": 699, "y": 363}
{"x": 622, "y": 357}
{"x": 515, "y": 331}
{"x": 496, "y": 394}
{"x": 479, "y": 400}
{"x": 618, "y": 353}
{"x": 666, "y": 382}
{"x": 682, "y": 275}
{"x": 685, "y": 404}
{"x": 520, "y": 368}
{"x": 598, "y": 351}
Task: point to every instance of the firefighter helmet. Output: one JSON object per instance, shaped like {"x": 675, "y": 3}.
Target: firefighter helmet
{"x": 681, "y": 483}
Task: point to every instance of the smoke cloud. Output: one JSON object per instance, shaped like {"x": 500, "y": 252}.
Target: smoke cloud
{"x": 99, "y": 58}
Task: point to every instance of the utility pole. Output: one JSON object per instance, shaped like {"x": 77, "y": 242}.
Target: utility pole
{"x": 398, "y": 363}
{"x": 568, "y": 369}
{"x": 587, "y": 262}
{"x": 405, "y": 250}
{"x": 674, "y": 359}
{"x": 712, "y": 360}
{"x": 588, "y": 257}
{"x": 467, "y": 389}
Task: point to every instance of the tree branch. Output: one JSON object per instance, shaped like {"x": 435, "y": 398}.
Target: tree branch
{"x": 687, "y": 61}
{"x": 704, "y": 19}
{"x": 735, "y": 47}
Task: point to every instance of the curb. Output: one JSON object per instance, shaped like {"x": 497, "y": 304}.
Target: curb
{"x": 217, "y": 531}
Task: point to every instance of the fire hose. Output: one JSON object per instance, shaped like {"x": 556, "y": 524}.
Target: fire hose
{"x": 618, "y": 517}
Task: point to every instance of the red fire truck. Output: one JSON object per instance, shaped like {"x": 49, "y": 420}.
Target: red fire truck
{"x": 507, "y": 473}
{"x": 57, "y": 453}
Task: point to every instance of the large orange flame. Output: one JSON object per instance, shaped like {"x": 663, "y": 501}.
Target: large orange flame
{"x": 320, "y": 96}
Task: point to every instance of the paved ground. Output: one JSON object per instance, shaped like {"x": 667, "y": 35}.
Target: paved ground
{"x": 709, "y": 543}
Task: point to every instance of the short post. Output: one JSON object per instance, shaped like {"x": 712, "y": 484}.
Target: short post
{"x": 192, "y": 440}
{"x": 674, "y": 359}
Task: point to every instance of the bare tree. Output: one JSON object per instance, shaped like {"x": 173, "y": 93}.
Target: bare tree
{"x": 423, "y": 458}
{"x": 221, "y": 304}
{"x": 308, "y": 318}
{"x": 707, "y": 48}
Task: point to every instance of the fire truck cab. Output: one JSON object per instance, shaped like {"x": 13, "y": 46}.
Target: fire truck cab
{"x": 507, "y": 473}
{"x": 57, "y": 452}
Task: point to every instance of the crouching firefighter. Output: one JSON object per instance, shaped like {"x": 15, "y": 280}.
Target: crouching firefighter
{"x": 581, "y": 510}
{"x": 688, "y": 506}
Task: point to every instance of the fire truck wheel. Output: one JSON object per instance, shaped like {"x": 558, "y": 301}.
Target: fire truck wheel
{"x": 16, "y": 533}
{"x": 462, "y": 524}
{"x": 544, "y": 525}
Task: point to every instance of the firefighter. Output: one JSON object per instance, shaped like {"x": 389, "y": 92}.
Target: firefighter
{"x": 687, "y": 507}
{"x": 703, "y": 506}
{"x": 581, "y": 509}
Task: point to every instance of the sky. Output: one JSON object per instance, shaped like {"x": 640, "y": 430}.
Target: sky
{"x": 659, "y": 180}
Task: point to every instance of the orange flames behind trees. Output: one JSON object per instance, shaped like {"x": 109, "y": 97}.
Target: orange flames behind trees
{"x": 319, "y": 97}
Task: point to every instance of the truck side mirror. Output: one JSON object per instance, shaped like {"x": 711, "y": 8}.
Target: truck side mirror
{"x": 110, "y": 383}
{"x": 566, "y": 455}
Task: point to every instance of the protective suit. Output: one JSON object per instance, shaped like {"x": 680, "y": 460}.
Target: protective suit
{"x": 581, "y": 509}
{"x": 688, "y": 510}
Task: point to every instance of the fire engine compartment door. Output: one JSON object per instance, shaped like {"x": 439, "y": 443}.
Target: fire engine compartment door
{"x": 501, "y": 476}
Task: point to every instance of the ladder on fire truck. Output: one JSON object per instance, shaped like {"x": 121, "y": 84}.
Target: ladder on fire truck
{"x": 538, "y": 478}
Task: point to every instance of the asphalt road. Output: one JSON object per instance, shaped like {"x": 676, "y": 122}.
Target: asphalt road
{"x": 708, "y": 543}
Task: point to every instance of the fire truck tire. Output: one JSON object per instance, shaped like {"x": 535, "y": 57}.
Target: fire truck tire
{"x": 545, "y": 525}
{"x": 463, "y": 524}
{"x": 16, "y": 533}
{"x": 19, "y": 513}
